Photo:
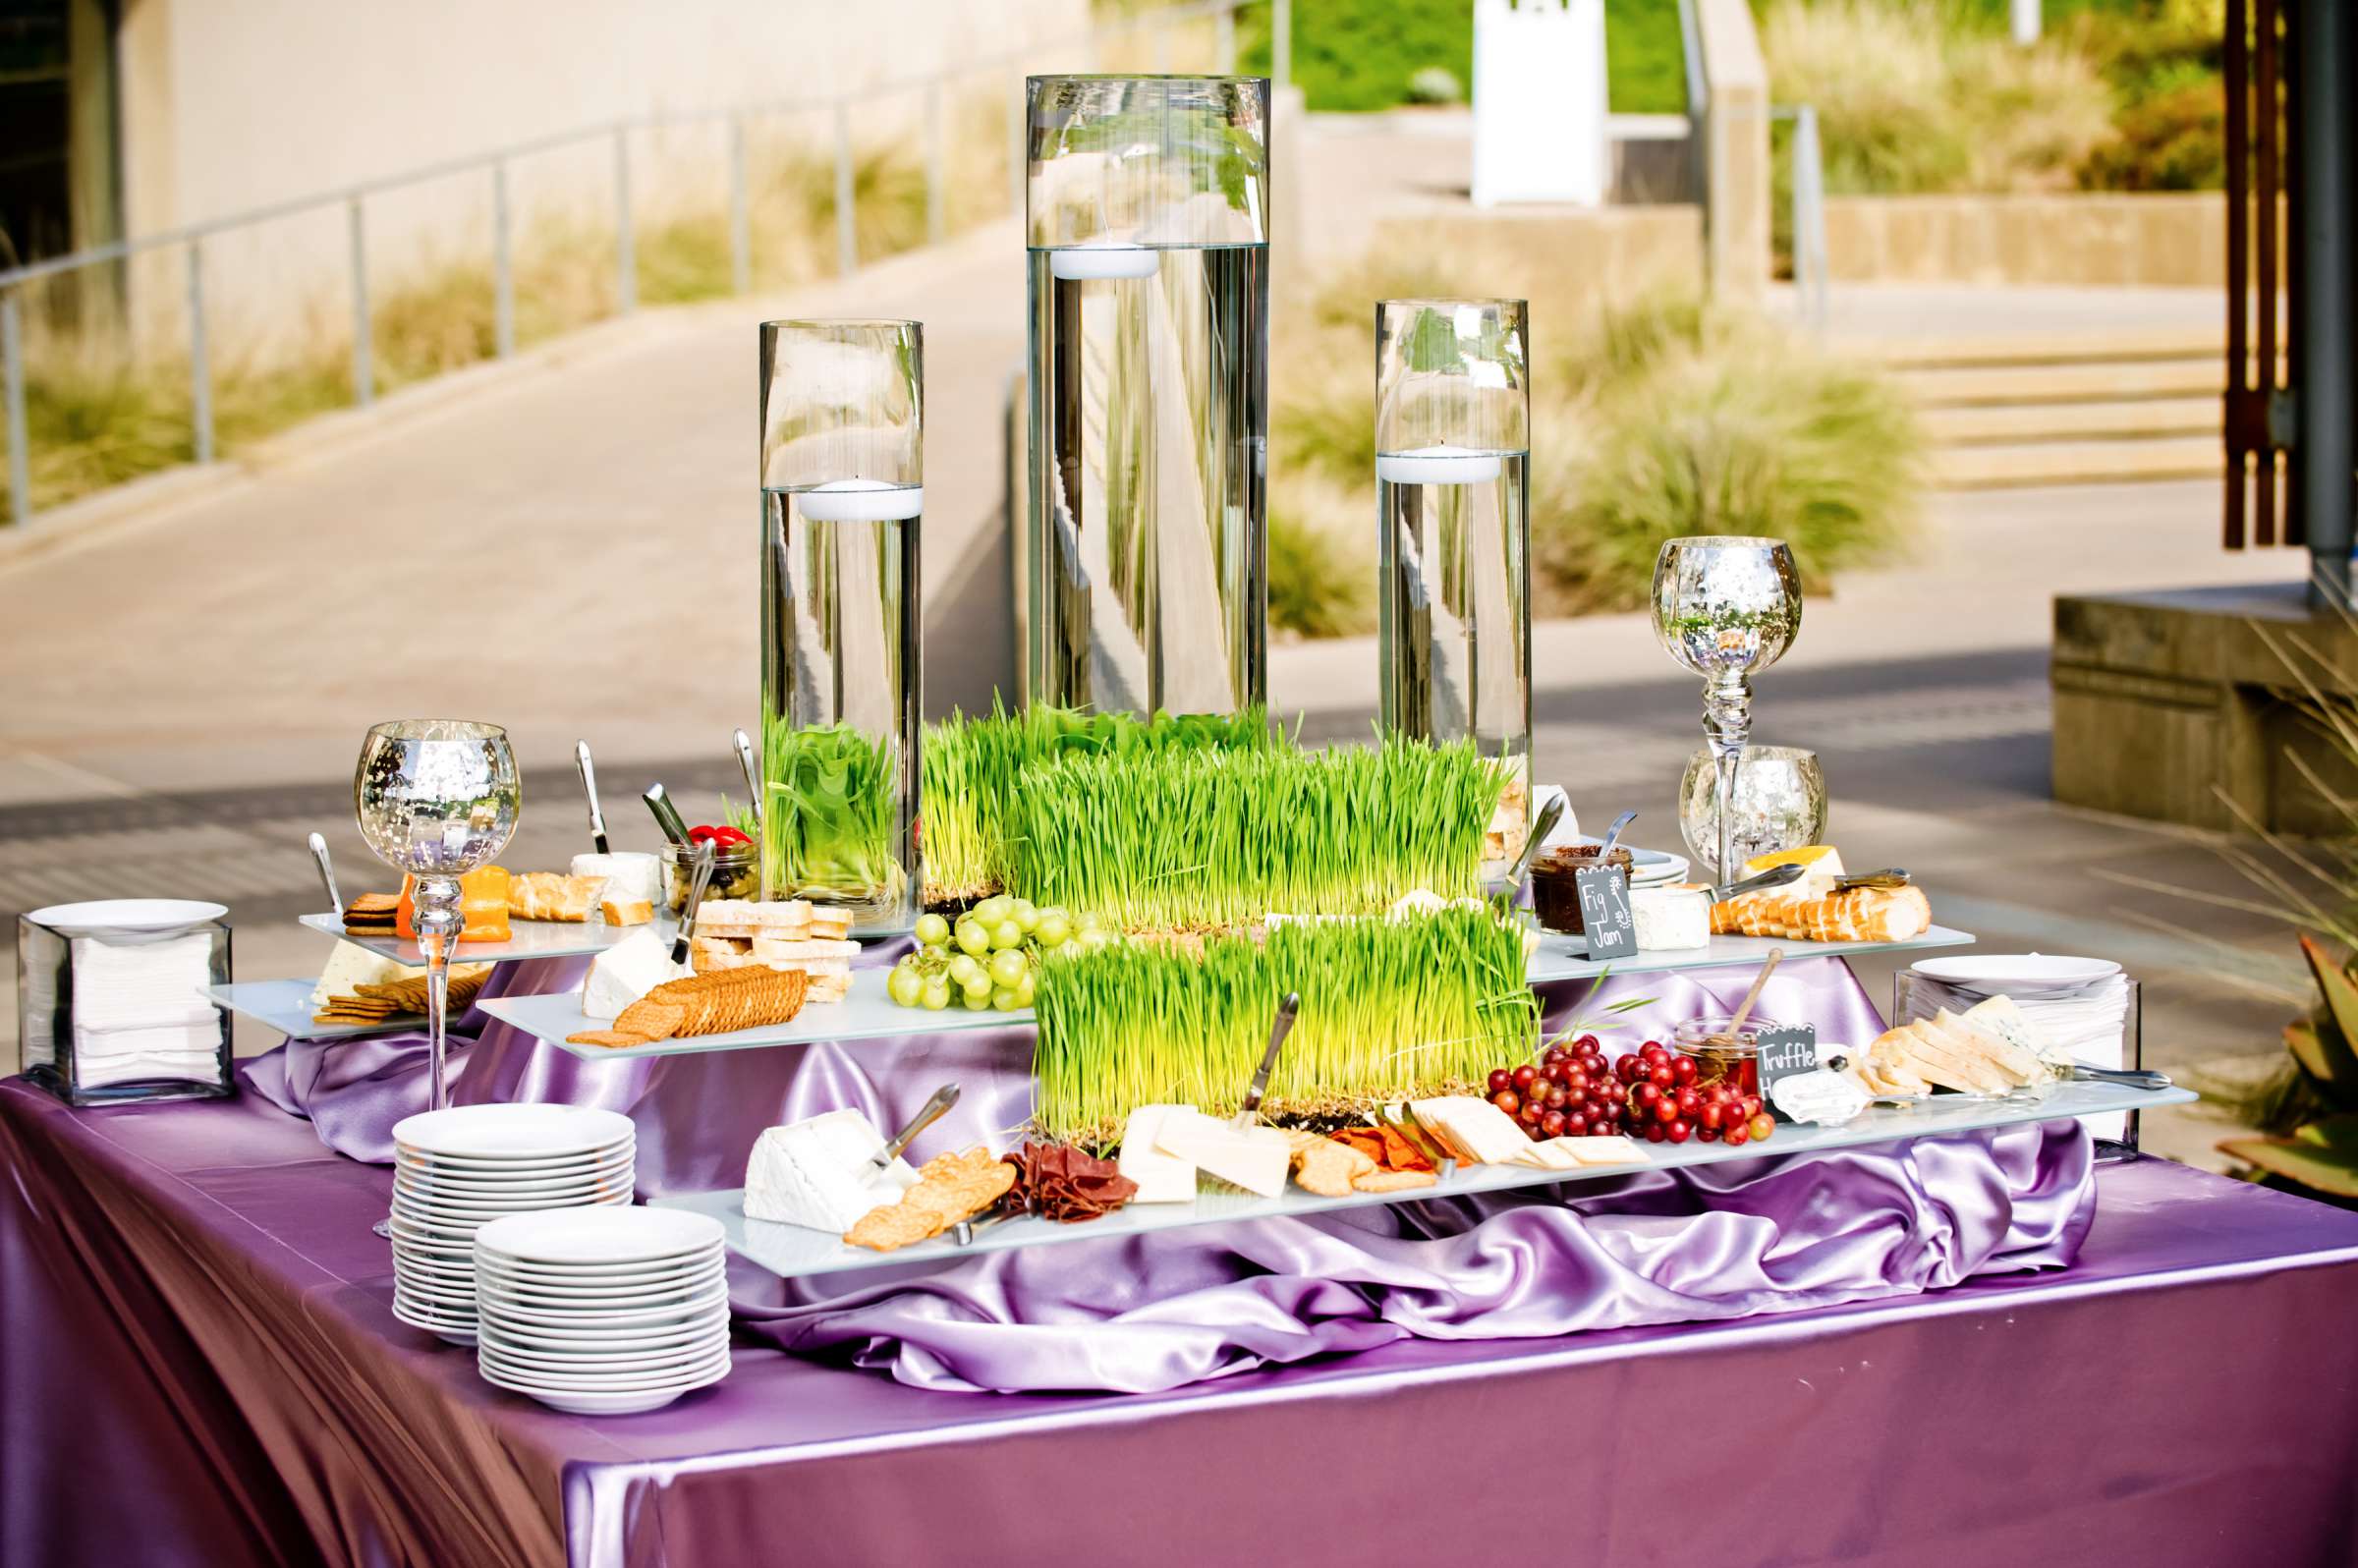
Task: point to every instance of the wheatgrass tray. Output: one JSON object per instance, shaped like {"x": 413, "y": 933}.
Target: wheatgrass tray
{"x": 792, "y": 1252}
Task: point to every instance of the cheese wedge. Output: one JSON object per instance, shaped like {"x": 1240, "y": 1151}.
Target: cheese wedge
{"x": 626, "y": 972}
{"x": 1256, "y": 1158}
{"x": 818, "y": 1173}
{"x": 1161, "y": 1178}
{"x": 1476, "y": 1132}
{"x": 2019, "y": 1065}
{"x": 351, "y": 966}
{"x": 1821, "y": 863}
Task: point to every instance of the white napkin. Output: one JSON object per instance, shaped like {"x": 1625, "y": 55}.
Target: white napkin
{"x": 140, "y": 1010}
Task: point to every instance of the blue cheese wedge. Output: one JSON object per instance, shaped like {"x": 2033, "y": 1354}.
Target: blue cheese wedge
{"x": 820, "y": 1173}
{"x": 1161, "y": 1178}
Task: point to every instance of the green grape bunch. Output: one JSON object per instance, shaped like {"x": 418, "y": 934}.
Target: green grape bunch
{"x": 991, "y": 959}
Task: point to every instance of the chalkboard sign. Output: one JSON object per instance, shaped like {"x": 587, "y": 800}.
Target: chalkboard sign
{"x": 1603, "y": 892}
{"x": 1783, "y": 1053}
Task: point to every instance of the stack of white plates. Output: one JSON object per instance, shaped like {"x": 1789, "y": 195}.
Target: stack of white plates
{"x": 1647, "y": 867}
{"x": 602, "y": 1312}
{"x": 458, "y": 1170}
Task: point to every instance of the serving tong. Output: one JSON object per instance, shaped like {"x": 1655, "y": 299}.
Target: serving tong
{"x": 1773, "y": 877}
{"x": 751, "y": 768}
{"x": 667, "y": 816}
{"x": 1541, "y": 826}
{"x": 1403, "y": 1120}
{"x": 1890, "y": 876}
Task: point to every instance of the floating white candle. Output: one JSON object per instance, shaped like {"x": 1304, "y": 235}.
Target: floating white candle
{"x": 860, "y": 501}
{"x": 1438, "y": 464}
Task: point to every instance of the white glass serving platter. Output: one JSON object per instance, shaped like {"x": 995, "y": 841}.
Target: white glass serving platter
{"x": 866, "y": 1013}
{"x": 1562, "y": 957}
{"x": 526, "y": 939}
{"x": 792, "y": 1252}
{"x": 286, "y": 1006}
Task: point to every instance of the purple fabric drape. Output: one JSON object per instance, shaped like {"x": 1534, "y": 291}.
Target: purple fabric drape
{"x": 199, "y": 1364}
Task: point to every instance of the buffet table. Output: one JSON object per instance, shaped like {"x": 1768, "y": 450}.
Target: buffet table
{"x": 200, "y": 1349}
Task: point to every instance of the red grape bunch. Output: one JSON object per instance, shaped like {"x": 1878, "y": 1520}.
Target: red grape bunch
{"x": 1652, "y": 1092}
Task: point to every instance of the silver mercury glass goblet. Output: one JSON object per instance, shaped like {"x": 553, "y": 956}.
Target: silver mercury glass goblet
{"x": 1726, "y": 606}
{"x": 436, "y": 798}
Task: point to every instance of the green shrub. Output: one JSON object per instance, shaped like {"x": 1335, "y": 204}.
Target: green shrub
{"x": 1649, "y": 420}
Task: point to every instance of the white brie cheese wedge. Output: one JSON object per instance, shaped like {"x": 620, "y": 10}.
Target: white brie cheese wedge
{"x": 819, "y": 1173}
{"x": 1826, "y": 1098}
{"x": 628, "y": 874}
{"x": 1161, "y": 1178}
{"x": 351, "y": 966}
{"x": 1256, "y": 1158}
{"x": 626, "y": 972}
{"x": 1669, "y": 918}
{"x": 2003, "y": 1017}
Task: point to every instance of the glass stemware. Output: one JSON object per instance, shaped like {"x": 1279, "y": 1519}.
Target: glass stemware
{"x": 435, "y": 799}
{"x": 1779, "y": 804}
{"x": 1726, "y": 606}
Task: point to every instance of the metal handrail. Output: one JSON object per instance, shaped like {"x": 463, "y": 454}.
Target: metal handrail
{"x": 1810, "y": 263}
{"x": 354, "y": 197}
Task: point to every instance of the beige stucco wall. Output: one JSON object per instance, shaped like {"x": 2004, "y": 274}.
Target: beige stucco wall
{"x": 229, "y": 105}
{"x": 2174, "y": 240}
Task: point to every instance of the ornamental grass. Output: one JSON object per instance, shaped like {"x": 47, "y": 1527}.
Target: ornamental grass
{"x": 1390, "y": 1008}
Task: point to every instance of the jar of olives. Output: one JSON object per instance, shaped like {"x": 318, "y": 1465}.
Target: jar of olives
{"x": 736, "y": 872}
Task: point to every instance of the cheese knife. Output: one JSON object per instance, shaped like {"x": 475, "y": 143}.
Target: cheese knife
{"x": 1285, "y": 1026}
{"x": 931, "y": 1111}
{"x": 753, "y": 771}
{"x": 327, "y": 874}
{"x": 597, "y": 818}
{"x": 698, "y": 880}
{"x": 667, "y": 816}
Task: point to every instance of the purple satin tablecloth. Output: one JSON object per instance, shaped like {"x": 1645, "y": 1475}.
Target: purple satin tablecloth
{"x": 201, "y": 1364}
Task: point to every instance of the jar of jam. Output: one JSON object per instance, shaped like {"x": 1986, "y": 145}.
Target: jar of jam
{"x": 1723, "y": 1053}
{"x": 1554, "y": 898}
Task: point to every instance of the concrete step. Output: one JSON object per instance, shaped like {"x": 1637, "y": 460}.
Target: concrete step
{"x": 2107, "y": 382}
{"x": 1972, "y": 468}
{"x": 2160, "y": 343}
{"x": 2022, "y": 423}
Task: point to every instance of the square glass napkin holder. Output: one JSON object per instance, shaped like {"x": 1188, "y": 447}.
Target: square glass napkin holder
{"x": 2113, "y": 1132}
{"x": 59, "y": 1058}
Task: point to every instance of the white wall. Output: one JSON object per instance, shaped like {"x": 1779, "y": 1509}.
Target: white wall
{"x": 234, "y": 104}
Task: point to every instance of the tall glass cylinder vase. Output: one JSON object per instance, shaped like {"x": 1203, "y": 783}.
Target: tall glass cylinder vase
{"x": 842, "y": 491}
{"x": 1146, "y": 578}
{"x": 1453, "y": 534}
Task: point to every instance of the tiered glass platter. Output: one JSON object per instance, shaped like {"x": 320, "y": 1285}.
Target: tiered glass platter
{"x": 869, "y": 1014}
{"x": 866, "y": 1013}
{"x": 286, "y": 1006}
{"x": 792, "y": 1252}
{"x": 526, "y": 939}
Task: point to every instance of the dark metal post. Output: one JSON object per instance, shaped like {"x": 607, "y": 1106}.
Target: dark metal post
{"x": 2325, "y": 410}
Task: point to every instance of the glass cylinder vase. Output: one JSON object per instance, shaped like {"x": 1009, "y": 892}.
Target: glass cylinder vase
{"x": 1145, "y": 571}
{"x": 1453, "y": 536}
{"x": 842, "y": 493}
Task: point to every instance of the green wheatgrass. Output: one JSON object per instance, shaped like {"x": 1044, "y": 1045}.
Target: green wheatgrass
{"x": 1391, "y": 1008}
{"x": 1215, "y": 840}
{"x": 975, "y": 768}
